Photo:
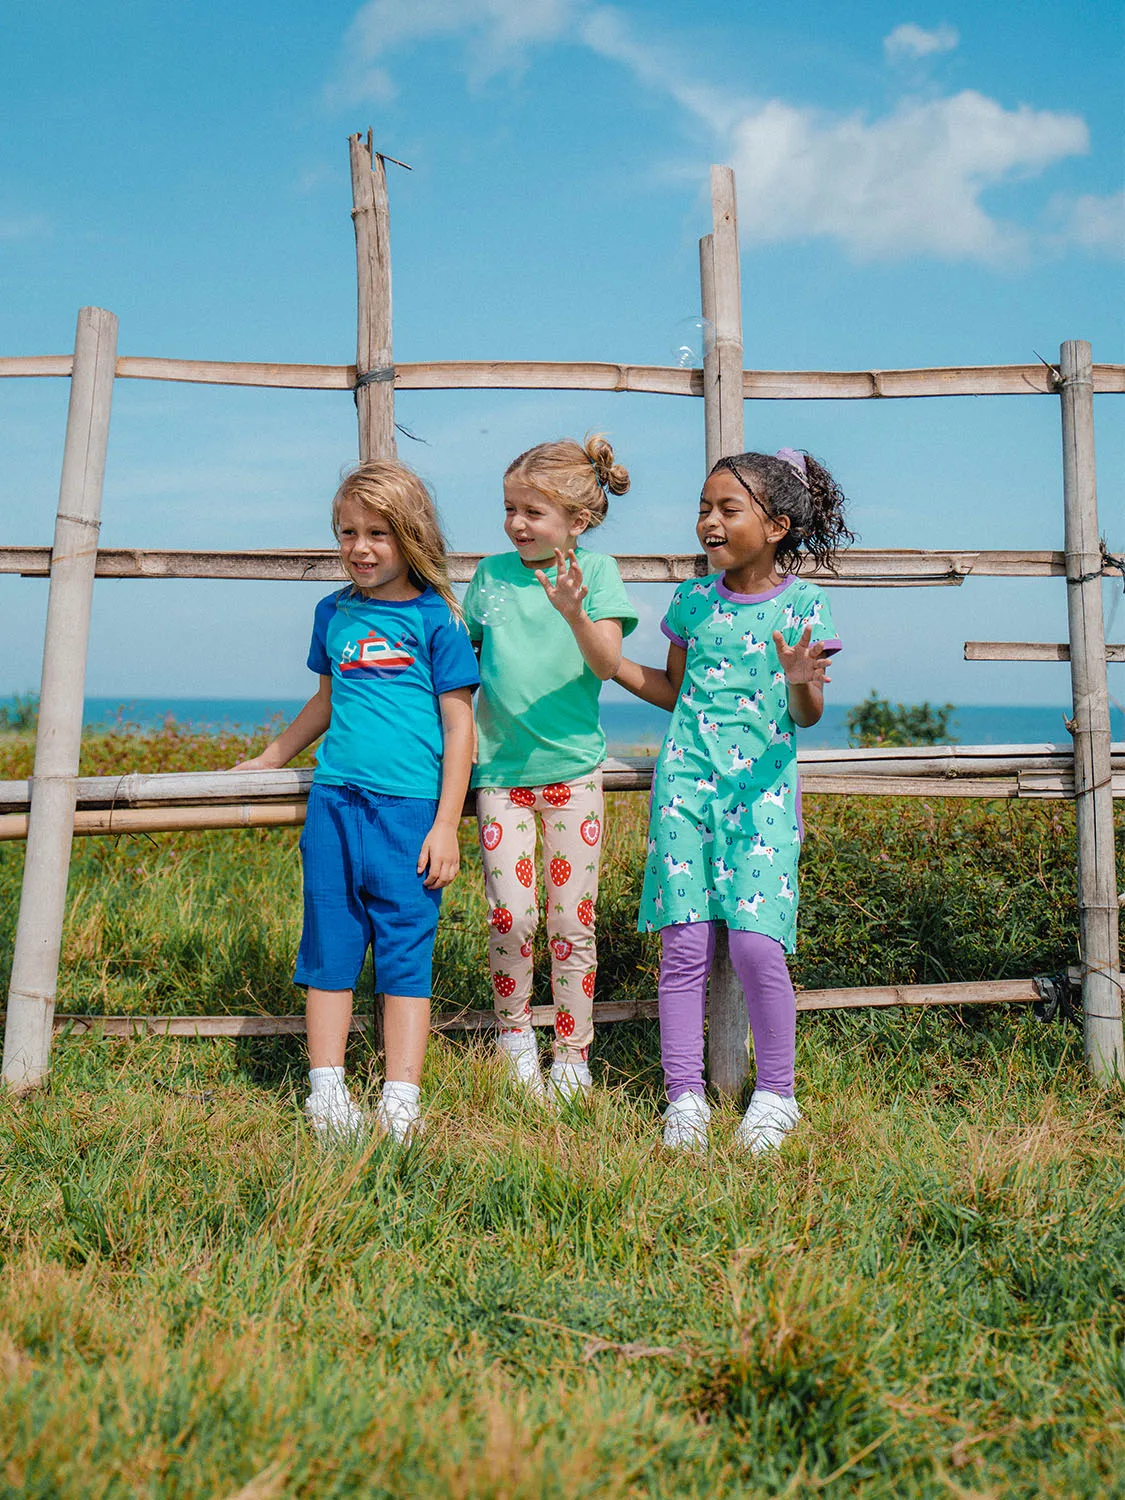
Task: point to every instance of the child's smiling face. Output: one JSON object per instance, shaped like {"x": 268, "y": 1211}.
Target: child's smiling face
{"x": 371, "y": 555}
{"x": 734, "y": 527}
{"x": 536, "y": 525}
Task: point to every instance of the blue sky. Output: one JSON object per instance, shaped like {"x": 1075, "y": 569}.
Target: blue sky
{"x": 917, "y": 186}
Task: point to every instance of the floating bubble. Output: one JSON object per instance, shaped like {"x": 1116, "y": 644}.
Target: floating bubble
{"x": 693, "y": 339}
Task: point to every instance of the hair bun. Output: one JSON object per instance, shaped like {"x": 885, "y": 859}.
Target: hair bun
{"x": 612, "y": 476}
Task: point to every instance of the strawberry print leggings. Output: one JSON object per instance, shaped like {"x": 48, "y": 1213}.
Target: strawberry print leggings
{"x": 569, "y": 814}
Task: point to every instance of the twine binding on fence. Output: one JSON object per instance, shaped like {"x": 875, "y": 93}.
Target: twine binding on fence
{"x": 1109, "y": 562}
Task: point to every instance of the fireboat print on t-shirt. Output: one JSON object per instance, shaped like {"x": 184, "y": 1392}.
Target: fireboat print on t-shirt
{"x": 375, "y": 656}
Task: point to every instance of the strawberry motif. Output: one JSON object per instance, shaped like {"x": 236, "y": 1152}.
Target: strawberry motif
{"x": 522, "y": 796}
{"x": 559, "y": 870}
{"x": 490, "y": 834}
{"x": 557, "y": 795}
{"x": 591, "y": 829}
{"x": 561, "y": 948}
{"x": 505, "y": 985}
{"x": 501, "y": 919}
{"x": 564, "y": 1022}
{"x": 525, "y": 870}
{"x": 527, "y": 948}
{"x": 588, "y": 983}
{"x": 586, "y": 911}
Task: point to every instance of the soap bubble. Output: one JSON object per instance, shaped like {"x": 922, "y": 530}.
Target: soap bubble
{"x": 492, "y": 606}
{"x": 692, "y": 340}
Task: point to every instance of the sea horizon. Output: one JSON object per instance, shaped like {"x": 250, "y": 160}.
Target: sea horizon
{"x": 628, "y": 727}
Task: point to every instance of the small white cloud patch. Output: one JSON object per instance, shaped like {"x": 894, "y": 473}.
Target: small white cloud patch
{"x": 910, "y": 42}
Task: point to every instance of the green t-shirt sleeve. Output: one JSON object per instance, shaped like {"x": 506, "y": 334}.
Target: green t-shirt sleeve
{"x": 674, "y": 624}
{"x": 607, "y": 599}
{"x": 471, "y": 607}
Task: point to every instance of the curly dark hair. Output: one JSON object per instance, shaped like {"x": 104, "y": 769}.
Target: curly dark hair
{"x": 815, "y": 510}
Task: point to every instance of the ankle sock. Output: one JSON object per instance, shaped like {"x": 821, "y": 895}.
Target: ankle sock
{"x": 408, "y": 1094}
{"x": 325, "y": 1080}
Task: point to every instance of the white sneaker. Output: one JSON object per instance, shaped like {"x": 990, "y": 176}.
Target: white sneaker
{"x": 767, "y": 1122}
{"x": 686, "y": 1122}
{"x": 520, "y": 1052}
{"x": 401, "y": 1121}
{"x": 335, "y": 1116}
{"x": 569, "y": 1081}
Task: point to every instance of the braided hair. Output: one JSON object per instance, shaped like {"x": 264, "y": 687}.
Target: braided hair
{"x": 800, "y": 488}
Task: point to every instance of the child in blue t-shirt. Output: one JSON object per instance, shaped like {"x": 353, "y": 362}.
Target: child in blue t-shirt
{"x": 396, "y": 672}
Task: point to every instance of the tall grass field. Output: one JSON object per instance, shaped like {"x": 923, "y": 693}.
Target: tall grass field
{"x": 922, "y": 1294}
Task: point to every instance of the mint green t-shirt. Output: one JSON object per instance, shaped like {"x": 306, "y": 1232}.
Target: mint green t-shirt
{"x": 537, "y": 710}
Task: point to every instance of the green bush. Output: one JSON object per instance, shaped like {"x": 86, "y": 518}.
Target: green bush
{"x": 876, "y": 722}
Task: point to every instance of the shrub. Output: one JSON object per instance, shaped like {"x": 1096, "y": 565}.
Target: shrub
{"x": 875, "y": 721}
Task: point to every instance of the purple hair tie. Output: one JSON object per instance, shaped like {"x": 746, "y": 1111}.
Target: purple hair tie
{"x": 796, "y": 462}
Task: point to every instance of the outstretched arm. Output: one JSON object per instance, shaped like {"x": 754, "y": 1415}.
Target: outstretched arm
{"x": 806, "y": 670}
{"x": 653, "y": 684}
{"x": 308, "y": 726}
{"x": 439, "y": 848}
{"x": 598, "y": 640}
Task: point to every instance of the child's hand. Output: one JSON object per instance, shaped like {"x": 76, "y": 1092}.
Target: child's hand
{"x": 568, "y": 591}
{"x": 802, "y": 662}
{"x": 255, "y": 763}
{"x": 441, "y": 854}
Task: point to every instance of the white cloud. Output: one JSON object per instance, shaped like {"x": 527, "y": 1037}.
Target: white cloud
{"x": 911, "y": 182}
{"x": 908, "y": 183}
{"x": 910, "y": 42}
{"x": 1091, "y": 222}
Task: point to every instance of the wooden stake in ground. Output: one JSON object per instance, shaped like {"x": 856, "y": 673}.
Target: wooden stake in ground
{"x": 1097, "y": 875}
{"x": 35, "y": 963}
{"x": 374, "y": 360}
{"x": 721, "y": 298}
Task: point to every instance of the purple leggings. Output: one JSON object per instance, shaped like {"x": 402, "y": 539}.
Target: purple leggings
{"x": 687, "y": 950}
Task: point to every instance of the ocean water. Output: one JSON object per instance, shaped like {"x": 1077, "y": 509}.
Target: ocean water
{"x": 628, "y": 726}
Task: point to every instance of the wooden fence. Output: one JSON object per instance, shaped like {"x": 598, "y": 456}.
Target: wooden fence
{"x": 56, "y": 804}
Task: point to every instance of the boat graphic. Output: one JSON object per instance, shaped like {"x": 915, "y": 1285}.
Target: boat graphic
{"x": 375, "y": 654}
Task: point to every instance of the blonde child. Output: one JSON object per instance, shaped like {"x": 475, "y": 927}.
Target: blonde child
{"x": 548, "y": 617}
{"x": 749, "y": 647}
{"x": 379, "y": 844}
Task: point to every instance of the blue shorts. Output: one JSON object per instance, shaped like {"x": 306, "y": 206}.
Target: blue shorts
{"x": 359, "y": 852}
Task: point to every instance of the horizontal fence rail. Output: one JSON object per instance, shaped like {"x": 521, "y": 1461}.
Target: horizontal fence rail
{"x": 557, "y": 375}
{"x": 900, "y": 567}
{"x": 1031, "y": 651}
{"x": 183, "y": 801}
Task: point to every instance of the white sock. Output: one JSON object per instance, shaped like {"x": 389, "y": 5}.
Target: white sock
{"x": 408, "y": 1094}
{"x": 325, "y": 1080}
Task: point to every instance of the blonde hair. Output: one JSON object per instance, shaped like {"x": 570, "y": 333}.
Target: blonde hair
{"x": 393, "y": 491}
{"x": 576, "y": 476}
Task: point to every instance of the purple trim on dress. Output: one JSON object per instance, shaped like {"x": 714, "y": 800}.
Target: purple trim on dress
{"x": 797, "y": 810}
{"x": 672, "y": 636}
{"x": 832, "y": 646}
{"x": 755, "y": 598}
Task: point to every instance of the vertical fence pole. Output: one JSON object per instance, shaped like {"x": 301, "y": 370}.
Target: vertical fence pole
{"x": 375, "y": 375}
{"x": 35, "y": 963}
{"x": 1093, "y": 790}
{"x": 720, "y": 285}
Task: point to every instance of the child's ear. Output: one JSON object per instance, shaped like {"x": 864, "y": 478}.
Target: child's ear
{"x": 779, "y": 525}
{"x": 579, "y": 522}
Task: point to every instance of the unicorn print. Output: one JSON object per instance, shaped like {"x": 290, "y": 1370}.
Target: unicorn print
{"x": 776, "y": 735}
{"x": 790, "y": 617}
{"x": 778, "y": 679}
{"x": 700, "y": 588}
{"x": 677, "y": 867}
{"x": 738, "y": 761}
{"x": 787, "y": 891}
{"x": 672, "y": 751}
{"x": 706, "y": 725}
{"x": 719, "y": 673}
{"x": 751, "y": 646}
{"x": 671, "y": 808}
{"x": 751, "y": 705}
{"x": 776, "y": 798}
{"x": 711, "y": 784}
{"x": 752, "y": 905}
{"x": 723, "y": 871}
{"x": 721, "y": 616}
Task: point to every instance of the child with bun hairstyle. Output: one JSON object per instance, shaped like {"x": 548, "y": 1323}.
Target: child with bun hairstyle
{"x": 548, "y": 618}
{"x": 749, "y": 647}
{"x": 380, "y": 839}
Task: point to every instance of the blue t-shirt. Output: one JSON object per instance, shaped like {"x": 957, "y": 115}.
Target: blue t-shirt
{"x": 388, "y": 662}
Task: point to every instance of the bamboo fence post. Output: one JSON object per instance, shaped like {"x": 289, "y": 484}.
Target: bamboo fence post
{"x": 375, "y": 372}
{"x": 35, "y": 962}
{"x": 721, "y": 302}
{"x": 1097, "y": 874}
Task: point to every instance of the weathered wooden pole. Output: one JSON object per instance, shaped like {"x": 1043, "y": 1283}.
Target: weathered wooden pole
{"x": 35, "y": 963}
{"x": 374, "y": 360}
{"x": 720, "y": 285}
{"x": 1093, "y": 791}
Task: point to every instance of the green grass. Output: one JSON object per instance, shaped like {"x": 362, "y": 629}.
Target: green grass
{"x": 922, "y": 1295}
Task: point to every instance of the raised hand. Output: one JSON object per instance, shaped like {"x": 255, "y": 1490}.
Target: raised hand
{"x": 802, "y": 662}
{"x": 568, "y": 591}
